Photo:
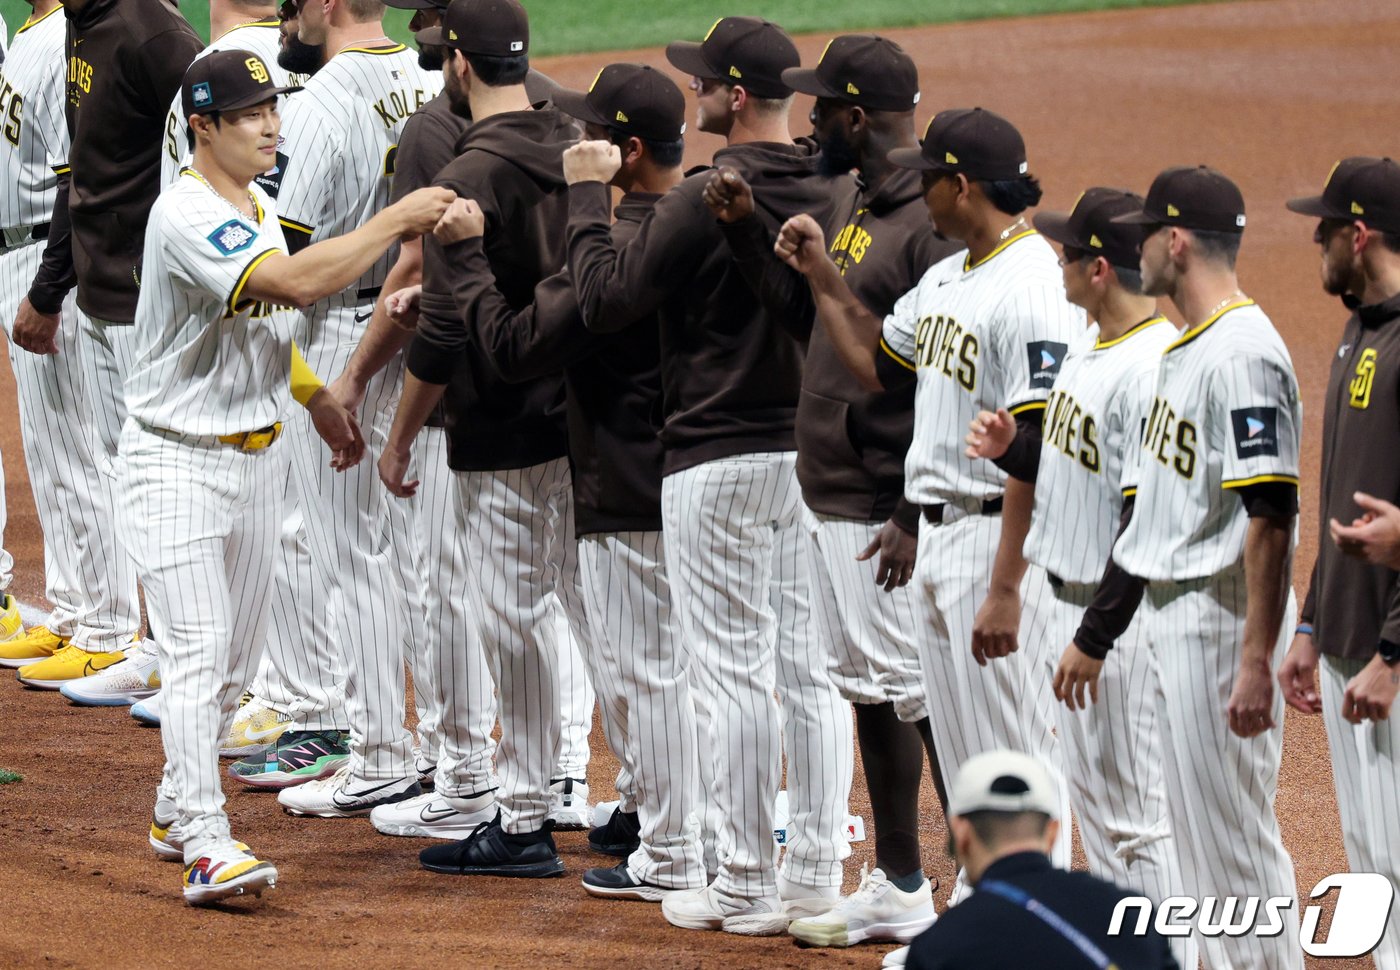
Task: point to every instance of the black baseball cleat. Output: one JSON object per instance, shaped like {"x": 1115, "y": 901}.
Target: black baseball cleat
{"x": 492, "y": 851}
{"x": 618, "y": 837}
{"x": 619, "y": 883}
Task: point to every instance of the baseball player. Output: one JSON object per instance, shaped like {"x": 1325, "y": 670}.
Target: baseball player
{"x": 1348, "y": 626}
{"x": 982, "y": 328}
{"x": 1212, "y": 534}
{"x": 339, "y": 142}
{"x": 87, "y": 577}
{"x": 132, "y": 57}
{"x": 850, "y": 460}
{"x": 507, "y": 442}
{"x": 457, "y": 749}
{"x": 1093, "y": 423}
{"x": 199, "y": 465}
{"x": 729, "y": 496}
{"x": 295, "y": 55}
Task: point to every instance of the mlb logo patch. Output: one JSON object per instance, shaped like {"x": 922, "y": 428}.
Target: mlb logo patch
{"x": 232, "y": 237}
{"x": 1256, "y": 432}
{"x": 201, "y": 95}
{"x": 1044, "y": 358}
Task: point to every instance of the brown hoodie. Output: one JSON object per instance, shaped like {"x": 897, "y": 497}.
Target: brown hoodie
{"x": 511, "y": 165}
{"x": 126, "y": 59}
{"x": 730, "y": 374}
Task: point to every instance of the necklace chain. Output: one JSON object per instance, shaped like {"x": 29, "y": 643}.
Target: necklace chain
{"x": 1009, "y": 231}
{"x": 1238, "y": 294}
{"x": 252, "y": 202}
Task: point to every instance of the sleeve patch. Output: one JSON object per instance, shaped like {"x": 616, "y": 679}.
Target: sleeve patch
{"x": 1044, "y": 358}
{"x": 1256, "y": 432}
{"x": 232, "y": 237}
{"x": 271, "y": 180}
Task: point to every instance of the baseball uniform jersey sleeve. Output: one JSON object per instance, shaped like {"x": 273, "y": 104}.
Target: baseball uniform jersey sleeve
{"x": 32, "y": 121}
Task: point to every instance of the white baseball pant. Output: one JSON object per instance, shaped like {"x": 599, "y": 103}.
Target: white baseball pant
{"x": 734, "y": 552}
{"x": 519, "y": 532}
{"x": 88, "y": 576}
{"x": 1222, "y": 805}
{"x": 1366, "y": 768}
{"x": 639, "y": 667}
{"x": 201, "y": 520}
{"x": 1113, "y": 760}
{"x": 1009, "y": 702}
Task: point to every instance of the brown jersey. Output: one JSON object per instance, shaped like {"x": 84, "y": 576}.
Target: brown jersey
{"x": 1353, "y": 606}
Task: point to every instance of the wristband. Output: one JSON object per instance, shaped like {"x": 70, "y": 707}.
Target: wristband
{"x": 1304, "y": 628}
{"x": 1389, "y": 652}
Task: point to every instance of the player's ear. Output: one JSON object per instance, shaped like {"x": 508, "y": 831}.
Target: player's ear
{"x": 857, "y": 120}
{"x": 633, "y": 152}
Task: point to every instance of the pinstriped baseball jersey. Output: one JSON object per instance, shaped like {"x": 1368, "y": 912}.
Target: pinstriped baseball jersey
{"x": 1093, "y": 419}
{"x": 1225, "y": 414}
{"x": 978, "y": 337}
{"x": 259, "y": 37}
{"x": 208, "y": 361}
{"x": 339, "y": 138}
{"x": 35, "y": 146}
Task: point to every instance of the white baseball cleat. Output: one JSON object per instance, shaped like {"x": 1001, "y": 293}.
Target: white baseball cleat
{"x": 568, "y": 804}
{"x": 122, "y": 684}
{"x": 878, "y": 910}
{"x": 255, "y": 728}
{"x": 433, "y": 816}
{"x": 227, "y": 869}
{"x": 712, "y": 909}
{"x": 343, "y": 796}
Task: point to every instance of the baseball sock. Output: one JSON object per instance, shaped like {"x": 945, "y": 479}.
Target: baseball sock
{"x": 935, "y": 772}
{"x": 892, "y": 752}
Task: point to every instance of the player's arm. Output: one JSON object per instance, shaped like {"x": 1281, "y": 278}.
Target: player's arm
{"x": 386, "y": 336}
{"x": 1298, "y": 674}
{"x": 333, "y": 264}
{"x": 336, "y": 425}
{"x": 36, "y": 322}
{"x": 1010, "y": 443}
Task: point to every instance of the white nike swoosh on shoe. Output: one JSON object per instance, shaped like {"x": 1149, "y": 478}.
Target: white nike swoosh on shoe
{"x": 252, "y": 735}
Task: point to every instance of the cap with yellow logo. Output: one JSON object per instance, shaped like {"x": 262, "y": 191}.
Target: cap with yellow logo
{"x": 492, "y": 28}
{"x": 1192, "y": 197}
{"x": 978, "y": 143}
{"x": 1090, "y": 226}
{"x": 742, "y": 52}
{"x": 861, "y": 69}
{"x": 226, "y": 81}
{"x": 632, "y": 98}
{"x": 1359, "y": 189}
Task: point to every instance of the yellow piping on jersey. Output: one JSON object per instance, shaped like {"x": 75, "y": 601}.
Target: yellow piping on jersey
{"x": 374, "y": 50}
{"x": 257, "y": 206}
{"x": 895, "y": 354}
{"x": 1130, "y": 492}
{"x": 294, "y": 226}
{"x": 1259, "y": 480}
{"x": 1199, "y": 329}
{"x": 1028, "y": 406}
{"x": 246, "y": 275}
{"x": 1101, "y": 344}
{"x": 31, "y": 21}
{"x": 968, "y": 265}
{"x": 62, "y": 169}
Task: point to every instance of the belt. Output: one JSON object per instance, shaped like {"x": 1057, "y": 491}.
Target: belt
{"x": 370, "y": 293}
{"x": 933, "y": 514}
{"x": 253, "y": 440}
{"x": 21, "y": 235}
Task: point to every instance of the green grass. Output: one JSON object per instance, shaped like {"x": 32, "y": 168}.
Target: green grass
{"x": 8, "y": 777}
{"x": 572, "y": 26}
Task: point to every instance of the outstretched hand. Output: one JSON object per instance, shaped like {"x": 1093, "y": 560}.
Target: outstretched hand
{"x": 990, "y": 435}
{"x": 801, "y": 244}
{"x": 728, "y": 195}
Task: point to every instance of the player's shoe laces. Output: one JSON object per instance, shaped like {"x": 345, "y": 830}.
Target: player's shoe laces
{"x": 433, "y": 816}
{"x": 254, "y": 729}
{"x": 878, "y": 910}
{"x": 37, "y": 643}
{"x": 227, "y": 869}
{"x": 11, "y": 626}
{"x": 619, "y": 836}
{"x": 297, "y": 757}
{"x": 343, "y": 796}
{"x": 710, "y": 908}
{"x": 568, "y": 804}
{"x": 491, "y": 851}
{"x": 134, "y": 679}
{"x": 69, "y": 663}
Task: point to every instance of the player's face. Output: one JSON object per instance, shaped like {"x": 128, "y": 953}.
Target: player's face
{"x": 423, "y": 19}
{"x": 1076, "y": 272}
{"x": 453, "y": 65}
{"x": 831, "y": 126}
{"x": 1337, "y": 239}
{"x": 293, "y": 55}
{"x": 245, "y": 142}
{"x": 311, "y": 25}
{"x": 1156, "y": 262}
{"x": 713, "y": 105}
{"x": 941, "y": 197}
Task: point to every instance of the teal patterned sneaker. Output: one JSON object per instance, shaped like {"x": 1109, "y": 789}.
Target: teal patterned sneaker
{"x": 296, "y": 757}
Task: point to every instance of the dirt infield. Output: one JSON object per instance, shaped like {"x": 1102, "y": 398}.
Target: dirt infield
{"x": 1271, "y": 92}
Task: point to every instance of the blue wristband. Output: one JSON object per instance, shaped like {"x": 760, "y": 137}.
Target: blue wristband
{"x": 1304, "y": 628}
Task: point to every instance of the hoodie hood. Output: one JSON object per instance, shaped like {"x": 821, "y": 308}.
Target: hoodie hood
{"x": 783, "y": 177}
{"x": 93, "y": 12}
{"x": 532, "y": 140}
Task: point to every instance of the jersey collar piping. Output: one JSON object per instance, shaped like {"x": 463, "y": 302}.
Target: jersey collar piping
{"x": 969, "y": 266}
{"x": 374, "y": 50}
{"x": 1137, "y": 328}
{"x": 257, "y": 206}
{"x": 1196, "y": 331}
{"x": 31, "y": 21}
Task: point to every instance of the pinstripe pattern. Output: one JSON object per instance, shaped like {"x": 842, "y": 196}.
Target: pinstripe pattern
{"x": 202, "y": 522}
{"x": 33, "y": 74}
{"x": 440, "y": 569}
{"x": 869, "y": 634}
{"x": 1366, "y": 767}
{"x": 576, "y": 697}
{"x": 1009, "y": 702}
{"x": 519, "y": 524}
{"x": 734, "y": 554}
{"x": 639, "y": 667}
{"x": 1222, "y": 785}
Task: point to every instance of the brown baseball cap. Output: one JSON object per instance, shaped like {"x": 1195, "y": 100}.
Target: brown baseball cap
{"x": 1359, "y": 189}
{"x": 980, "y": 144}
{"x": 1089, "y": 226}
{"x": 746, "y": 52}
{"x": 417, "y": 4}
{"x": 226, "y": 81}
{"x": 634, "y": 98}
{"x": 494, "y": 28}
{"x": 1192, "y": 197}
{"x": 861, "y": 69}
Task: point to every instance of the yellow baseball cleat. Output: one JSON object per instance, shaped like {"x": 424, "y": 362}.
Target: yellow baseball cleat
{"x": 67, "y": 664}
{"x": 36, "y": 644}
{"x": 11, "y": 626}
{"x": 224, "y": 870}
